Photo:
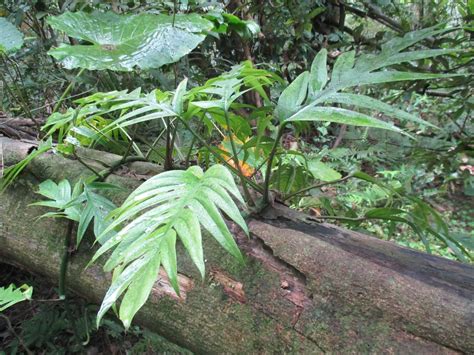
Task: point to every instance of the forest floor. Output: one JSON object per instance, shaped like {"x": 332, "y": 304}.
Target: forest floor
{"x": 46, "y": 325}
{"x": 458, "y": 211}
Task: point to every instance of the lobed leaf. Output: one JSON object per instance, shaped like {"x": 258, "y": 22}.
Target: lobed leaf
{"x": 171, "y": 205}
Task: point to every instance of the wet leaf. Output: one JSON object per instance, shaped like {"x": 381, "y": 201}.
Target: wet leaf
{"x": 123, "y": 42}
{"x": 11, "y": 39}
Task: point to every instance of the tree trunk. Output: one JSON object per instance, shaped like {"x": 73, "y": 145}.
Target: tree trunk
{"x": 306, "y": 287}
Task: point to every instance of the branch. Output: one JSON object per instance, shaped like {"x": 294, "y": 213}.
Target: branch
{"x": 375, "y": 14}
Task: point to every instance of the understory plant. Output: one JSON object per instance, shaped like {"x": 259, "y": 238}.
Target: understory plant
{"x": 236, "y": 139}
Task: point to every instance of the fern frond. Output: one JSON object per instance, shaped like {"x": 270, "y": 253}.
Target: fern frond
{"x": 170, "y": 205}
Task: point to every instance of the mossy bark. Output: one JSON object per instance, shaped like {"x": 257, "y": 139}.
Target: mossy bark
{"x": 306, "y": 287}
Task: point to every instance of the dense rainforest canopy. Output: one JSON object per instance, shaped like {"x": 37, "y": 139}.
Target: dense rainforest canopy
{"x": 356, "y": 113}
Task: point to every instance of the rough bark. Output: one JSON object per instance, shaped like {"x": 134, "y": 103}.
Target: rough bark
{"x": 306, "y": 287}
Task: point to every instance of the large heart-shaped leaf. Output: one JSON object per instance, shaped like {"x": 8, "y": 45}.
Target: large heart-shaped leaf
{"x": 122, "y": 42}
{"x": 11, "y": 39}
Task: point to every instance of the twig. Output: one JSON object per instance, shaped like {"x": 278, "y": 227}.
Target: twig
{"x": 79, "y": 159}
{"x": 67, "y": 91}
{"x": 317, "y": 186}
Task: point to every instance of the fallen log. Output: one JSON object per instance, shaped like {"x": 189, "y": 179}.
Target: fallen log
{"x": 19, "y": 128}
{"x": 306, "y": 287}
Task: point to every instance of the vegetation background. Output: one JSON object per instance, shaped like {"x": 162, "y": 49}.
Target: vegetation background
{"x": 404, "y": 189}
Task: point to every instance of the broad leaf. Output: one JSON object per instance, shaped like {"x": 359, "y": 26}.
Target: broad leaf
{"x": 350, "y": 71}
{"x": 80, "y": 204}
{"x": 139, "y": 290}
{"x": 123, "y": 42}
{"x": 322, "y": 171}
{"x": 343, "y": 66}
{"x": 319, "y": 72}
{"x": 178, "y": 99}
{"x": 342, "y": 116}
{"x": 374, "y": 104}
{"x": 293, "y": 96}
{"x": 96, "y": 207}
{"x": 383, "y": 77}
{"x": 60, "y": 196}
{"x": 11, "y": 39}
{"x": 391, "y": 50}
{"x": 168, "y": 206}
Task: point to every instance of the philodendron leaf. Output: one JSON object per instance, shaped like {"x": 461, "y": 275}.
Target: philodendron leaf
{"x": 322, "y": 171}
{"x": 319, "y": 72}
{"x": 374, "y": 104}
{"x": 11, "y": 39}
{"x": 171, "y": 205}
{"x": 342, "y": 116}
{"x": 59, "y": 197}
{"x": 293, "y": 96}
{"x": 178, "y": 98}
{"x": 343, "y": 66}
{"x": 123, "y": 42}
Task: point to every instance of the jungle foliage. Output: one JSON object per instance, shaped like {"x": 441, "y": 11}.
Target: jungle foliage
{"x": 312, "y": 104}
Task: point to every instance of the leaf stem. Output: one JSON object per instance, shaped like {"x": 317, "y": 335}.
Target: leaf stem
{"x": 317, "y": 186}
{"x": 168, "y": 165}
{"x": 67, "y": 91}
{"x": 174, "y": 11}
{"x": 268, "y": 172}
{"x": 188, "y": 156}
{"x": 235, "y": 157}
{"x": 217, "y": 155}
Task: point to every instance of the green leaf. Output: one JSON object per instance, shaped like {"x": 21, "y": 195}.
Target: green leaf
{"x": 13, "y": 295}
{"x": 291, "y": 175}
{"x": 342, "y": 116}
{"x": 391, "y": 49}
{"x": 322, "y": 171}
{"x": 189, "y": 232}
{"x": 319, "y": 72}
{"x": 373, "y": 104}
{"x": 139, "y": 290}
{"x": 96, "y": 208}
{"x": 168, "y": 206}
{"x": 412, "y": 56}
{"x": 168, "y": 257}
{"x": 343, "y": 66}
{"x": 383, "y": 77}
{"x": 383, "y": 212}
{"x": 293, "y": 96}
{"x": 123, "y": 42}
{"x": 123, "y": 280}
{"x": 11, "y": 39}
{"x": 60, "y": 197}
{"x": 81, "y": 205}
{"x": 178, "y": 99}
{"x": 244, "y": 28}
